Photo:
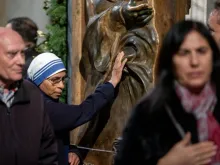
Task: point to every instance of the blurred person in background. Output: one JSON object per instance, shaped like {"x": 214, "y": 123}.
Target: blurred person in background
{"x": 178, "y": 121}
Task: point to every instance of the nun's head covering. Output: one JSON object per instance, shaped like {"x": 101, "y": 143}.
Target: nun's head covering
{"x": 43, "y": 66}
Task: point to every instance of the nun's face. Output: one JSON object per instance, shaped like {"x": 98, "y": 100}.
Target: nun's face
{"x": 54, "y": 85}
{"x": 193, "y": 62}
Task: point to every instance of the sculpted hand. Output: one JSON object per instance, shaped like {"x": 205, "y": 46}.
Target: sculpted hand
{"x": 136, "y": 15}
{"x": 117, "y": 69}
{"x": 73, "y": 159}
{"x": 184, "y": 153}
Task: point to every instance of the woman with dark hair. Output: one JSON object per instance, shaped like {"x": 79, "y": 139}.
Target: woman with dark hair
{"x": 177, "y": 123}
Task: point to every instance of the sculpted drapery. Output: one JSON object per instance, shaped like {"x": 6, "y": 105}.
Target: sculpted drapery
{"x": 116, "y": 26}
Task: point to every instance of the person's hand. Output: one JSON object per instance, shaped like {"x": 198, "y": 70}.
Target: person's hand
{"x": 117, "y": 69}
{"x": 73, "y": 159}
{"x": 136, "y": 15}
{"x": 184, "y": 153}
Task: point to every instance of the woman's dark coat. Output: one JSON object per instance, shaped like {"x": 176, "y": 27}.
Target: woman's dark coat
{"x": 149, "y": 135}
{"x": 66, "y": 117}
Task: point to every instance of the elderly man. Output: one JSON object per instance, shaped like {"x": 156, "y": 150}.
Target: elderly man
{"x": 27, "y": 28}
{"x": 214, "y": 22}
{"x": 48, "y": 72}
{"x": 26, "y": 136}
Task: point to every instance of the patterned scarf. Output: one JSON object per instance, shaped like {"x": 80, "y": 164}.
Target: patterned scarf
{"x": 8, "y": 97}
{"x": 202, "y": 106}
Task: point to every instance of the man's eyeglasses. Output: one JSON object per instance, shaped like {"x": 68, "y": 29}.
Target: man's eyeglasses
{"x": 56, "y": 80}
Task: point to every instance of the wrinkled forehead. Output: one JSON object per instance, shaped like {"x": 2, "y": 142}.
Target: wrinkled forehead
{"x": 10, "y": 39}
{"x": 214, "y": 12}
{"x": 214, "y": 21}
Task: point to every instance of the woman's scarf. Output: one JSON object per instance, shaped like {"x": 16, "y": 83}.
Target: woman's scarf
{"x": 202, "y": 106}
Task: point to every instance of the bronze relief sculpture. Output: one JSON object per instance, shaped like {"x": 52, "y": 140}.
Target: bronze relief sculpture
{"x": 114, "y": 26}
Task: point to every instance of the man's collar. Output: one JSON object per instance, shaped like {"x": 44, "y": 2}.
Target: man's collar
{"x": 22, "y": 94}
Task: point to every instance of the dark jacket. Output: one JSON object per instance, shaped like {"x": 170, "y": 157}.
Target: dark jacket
{"x": 26, "y": 135}
{"x": 66, "y": 117}
{"x": 149, "y": 135}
